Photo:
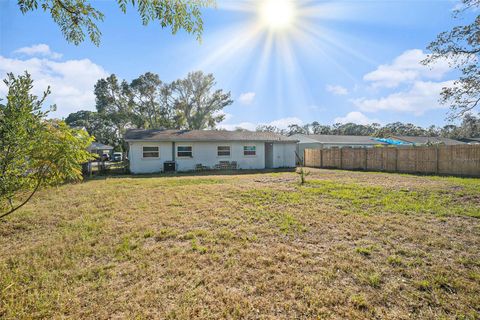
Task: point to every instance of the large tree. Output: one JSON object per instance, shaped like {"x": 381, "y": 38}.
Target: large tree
{"x": 113, "y": 103}
{"x": 197, "y": 103}
{"x": 461, "y": 47}
{"x": 152, "y": 102}
{"x": 97, "y": 125}
{"x": 78, "y": 18}
{"x": 34, "y": 151}
{"x": 148, "y": 103}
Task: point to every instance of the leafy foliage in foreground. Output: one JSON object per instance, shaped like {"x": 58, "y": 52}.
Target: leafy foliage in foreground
{"x": 77, "y": 18}
{"x": 34, "y": 151}
{"x": 461, "y": 48}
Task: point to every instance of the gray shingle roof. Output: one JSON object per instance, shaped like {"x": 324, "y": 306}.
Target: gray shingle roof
{"x": 335, "y": 139}
{"x": 203, "y": 135}
{"x": 471, "y": 140}
{"x": 424, "y": 140}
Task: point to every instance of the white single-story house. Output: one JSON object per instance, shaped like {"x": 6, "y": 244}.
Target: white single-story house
{"x": 185, "y": 150}
{"x": 320, "y": 141}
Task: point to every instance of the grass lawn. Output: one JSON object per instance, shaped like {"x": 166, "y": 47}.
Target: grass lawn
{"x": 345, "y": 245}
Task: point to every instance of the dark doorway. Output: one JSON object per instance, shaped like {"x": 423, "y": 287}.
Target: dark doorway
{"x": 268, "y": 155}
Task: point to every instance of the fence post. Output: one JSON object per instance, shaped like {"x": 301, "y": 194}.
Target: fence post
{"x": 321, "y": 158}
{"x": 341, "y": 157}
{"x": 396, "y": 159}
{"x": 436, "y": 159}
{"x": 366, "y": 158}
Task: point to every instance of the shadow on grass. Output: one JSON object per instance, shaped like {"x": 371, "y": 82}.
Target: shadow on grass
{"x": 188, "y": 174}
{"x": 415, "y": 174}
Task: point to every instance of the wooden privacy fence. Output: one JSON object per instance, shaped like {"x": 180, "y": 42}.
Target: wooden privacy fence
{"x": 462, "y": 160}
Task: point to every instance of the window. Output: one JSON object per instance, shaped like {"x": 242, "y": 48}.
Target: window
{"x": 249, "y": 151}
{"x": 223, "y": 151}
{"x": 151, "y": 152}
{"x": 184, "y": 151}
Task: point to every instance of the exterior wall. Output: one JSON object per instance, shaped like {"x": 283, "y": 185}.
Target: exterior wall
{"x": 138, "y": 164}
{"x": 284, "y": 155}
{"x": 204, "y": 153}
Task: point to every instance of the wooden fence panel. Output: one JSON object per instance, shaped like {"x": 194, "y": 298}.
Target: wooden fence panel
{"x": 354, "y": 158}
{"x": 461, "y": 160}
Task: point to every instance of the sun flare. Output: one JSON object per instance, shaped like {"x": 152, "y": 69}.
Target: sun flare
{"x": 277, "y": 14}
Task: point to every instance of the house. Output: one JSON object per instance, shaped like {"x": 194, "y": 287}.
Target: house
{"x": 184, "y": 150}
{"x": 420, "y": 141}
{"x": 320, "y": 141}
{"x": 101, "y": 149}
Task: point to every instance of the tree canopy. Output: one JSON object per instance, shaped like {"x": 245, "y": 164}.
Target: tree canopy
{"x": 78, "y": 18}
{"x": 149, "y": 103}
{"x": 34, "y": 151}
{"x": 460, "y": 47}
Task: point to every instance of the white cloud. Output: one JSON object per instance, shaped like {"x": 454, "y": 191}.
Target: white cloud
{"x": 71, "y": 82}
{"x": 247, "y": 98}
{"x": 282, "y": 123}
{"x": 355, "y": 117}
{"x": 337, "y": 90}
{"x": 41, "y": 50}
{"x": 418, "y": 99}
{"x": 406, "y": 68}
{"x": 285, "y": 122}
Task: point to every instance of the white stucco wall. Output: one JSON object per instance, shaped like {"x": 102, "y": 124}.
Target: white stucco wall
{"x": 138, "y": 164}
{"x": 284, "y": 155}
{"x": 204, "y": 153}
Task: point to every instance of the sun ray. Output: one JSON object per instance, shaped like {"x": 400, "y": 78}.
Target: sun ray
{"x": 265, "y": 52}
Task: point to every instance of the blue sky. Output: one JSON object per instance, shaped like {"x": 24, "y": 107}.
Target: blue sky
{"x": 337, "y": 61}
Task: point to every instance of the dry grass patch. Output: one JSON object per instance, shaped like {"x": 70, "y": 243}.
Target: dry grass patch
{"x": 345, "y": 245}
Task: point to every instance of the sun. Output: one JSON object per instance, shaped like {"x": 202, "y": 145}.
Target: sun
{"x": 277, "y": 14}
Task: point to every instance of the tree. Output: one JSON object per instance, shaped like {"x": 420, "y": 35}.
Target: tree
{"x": 461, "y": 47}
{"x": 317, "y": 128}
{"x": 296, "y": 129}
{"x": 78, "y": 18}
{"x": 269, "y": 128}
{"x": 470, "y": 127}
{"x": 399, "y": 128}
{"x": 114, "y": 103}
{"x": 100, "y": 127}
{"x": 152, "y": 102}
{"x": 197, "y": 105}
{"x": 34, "y": 151}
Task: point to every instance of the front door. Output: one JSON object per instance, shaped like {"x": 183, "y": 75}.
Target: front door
{"x": 268, "y": 155}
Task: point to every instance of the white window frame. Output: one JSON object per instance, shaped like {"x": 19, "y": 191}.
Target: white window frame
{"x": 150, "y": 158}
{"x": 249, "y": 155}
{"x": 184, "y": 157}
{"x": 229, "y": 150}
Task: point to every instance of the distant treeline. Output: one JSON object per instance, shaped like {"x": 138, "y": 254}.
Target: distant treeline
{"x": 468, "y": 128}
{"x": 193, "y": 103}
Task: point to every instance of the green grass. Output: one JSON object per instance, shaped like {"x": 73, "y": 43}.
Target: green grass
{"x": 368, "y": 199}
{"x": 345, "y": 245}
